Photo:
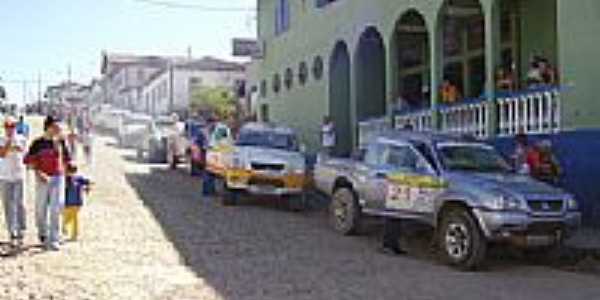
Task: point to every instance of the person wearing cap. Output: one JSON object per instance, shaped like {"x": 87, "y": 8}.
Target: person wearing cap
{"x": 48, "y": 156}
{"x": 12, "y": 177}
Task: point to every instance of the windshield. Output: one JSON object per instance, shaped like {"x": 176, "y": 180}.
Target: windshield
{"x": 163, "y": 126}
{"x": 472, "y": 157}
{"x": 267, "y": 139}
{"x": 137, "y": 122}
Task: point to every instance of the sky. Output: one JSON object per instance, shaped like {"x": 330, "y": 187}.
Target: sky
{"x": 46, "y": 36}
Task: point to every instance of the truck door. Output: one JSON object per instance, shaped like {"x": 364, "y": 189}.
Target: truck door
{"x": 414, "y": 185}
{"x": 370, "y": 177}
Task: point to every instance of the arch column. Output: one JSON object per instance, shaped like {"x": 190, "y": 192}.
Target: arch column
{"x": 392, "y": 86}
{"x": 491, "y": 11}
{"x": 436, "y": 69}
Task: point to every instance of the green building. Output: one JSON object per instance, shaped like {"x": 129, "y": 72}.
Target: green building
{"x": 360, "y": 60}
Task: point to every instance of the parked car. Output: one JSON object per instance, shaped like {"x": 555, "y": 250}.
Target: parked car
{"x": 153, "y": 146}
{"x": 114, "y": 120}
{"x": 131, "y": 133}
{"x": 461, "y": 188}
{"x": 177, "y": 143}
{"x": 266, "y": 160}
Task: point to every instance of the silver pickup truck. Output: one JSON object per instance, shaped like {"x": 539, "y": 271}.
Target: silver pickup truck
{"x": 460, "y": 187}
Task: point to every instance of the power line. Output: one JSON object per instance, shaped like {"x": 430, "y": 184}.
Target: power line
{"x": 178, "y": 5}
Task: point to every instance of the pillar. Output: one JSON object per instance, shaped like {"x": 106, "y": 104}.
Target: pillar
{"x": 491, "y": 11}
{"x": 437, "y": 68}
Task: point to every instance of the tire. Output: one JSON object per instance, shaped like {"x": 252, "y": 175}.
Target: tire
{"x": 344, "y": 212}
{"x": 297, "y": 203}
{"x": 462, "y": 242}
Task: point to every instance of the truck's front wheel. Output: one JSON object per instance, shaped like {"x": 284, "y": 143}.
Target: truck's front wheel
{"x": 344, "y": 212}
{"x": 462, "y": 243}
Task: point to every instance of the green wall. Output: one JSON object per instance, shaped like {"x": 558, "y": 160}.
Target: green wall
{"x": 315, "y": 31}
{"x": 579, "y": 50}
{"x": 538, "y": 31}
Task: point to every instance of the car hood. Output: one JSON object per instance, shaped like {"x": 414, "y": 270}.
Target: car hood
{"x": 269, "y": 155}
{"x": 515, "y": 184}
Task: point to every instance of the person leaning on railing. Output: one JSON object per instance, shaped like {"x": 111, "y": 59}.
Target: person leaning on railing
{"x": 504, "y": 81}
{"x": 450, "y": 93}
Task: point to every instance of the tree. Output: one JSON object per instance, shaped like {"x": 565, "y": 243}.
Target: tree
{"x": 217, "y": 100}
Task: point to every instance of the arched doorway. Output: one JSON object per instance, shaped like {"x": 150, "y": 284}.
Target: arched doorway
{"x": 339, "y": 98}
{"x": 412, "y": 74}
{"x": 370, "y": 74}
{"x": 463, "y": 48}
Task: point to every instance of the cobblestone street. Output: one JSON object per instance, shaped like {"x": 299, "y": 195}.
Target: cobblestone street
{"x": 148, "y": 234}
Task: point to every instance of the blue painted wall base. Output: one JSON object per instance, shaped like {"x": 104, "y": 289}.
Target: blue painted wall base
{"x": 579, "y": 155}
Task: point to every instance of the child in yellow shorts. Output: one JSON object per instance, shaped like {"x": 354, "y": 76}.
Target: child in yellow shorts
{"x": 76, "y": 185}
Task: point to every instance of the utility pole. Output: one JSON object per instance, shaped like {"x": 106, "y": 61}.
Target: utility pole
{"x": 24, "y": 91}
{"x": 39, "y": 89}
{"x": 69, "y": 73}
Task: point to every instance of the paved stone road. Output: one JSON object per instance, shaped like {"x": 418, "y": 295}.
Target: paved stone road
{"x": 148, "y": 234}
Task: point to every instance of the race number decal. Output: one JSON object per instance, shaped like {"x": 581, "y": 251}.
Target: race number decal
{"x": 415, "y": 193}
{"x": 399, "y": 197}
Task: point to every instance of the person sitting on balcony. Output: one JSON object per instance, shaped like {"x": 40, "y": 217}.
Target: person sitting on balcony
{"x": 450, "y": 92}
{"x": 534, "y": 75}
{"x": 548, "y": 72}
{"x": 504, "y": 81}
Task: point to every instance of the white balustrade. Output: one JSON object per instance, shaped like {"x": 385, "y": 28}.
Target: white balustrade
{"x": 419, "y": 121}
{"x": 468, "y": 118}
{"x": 533, "y": 112}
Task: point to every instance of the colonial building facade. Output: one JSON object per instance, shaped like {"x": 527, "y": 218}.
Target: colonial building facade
{"x": 170, "y": 89}
{"x": 387, "y": 60}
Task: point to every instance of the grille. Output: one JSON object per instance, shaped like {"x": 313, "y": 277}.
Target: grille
{"x": 546, "y": 205}
{"x": 267, "y": 182}
{"x": 267, "y": 167}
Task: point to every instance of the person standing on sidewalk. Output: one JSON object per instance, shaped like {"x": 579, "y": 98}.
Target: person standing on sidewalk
{"x": 76, "y": 186}
{"x": 12, "y": 176}
{"x": 48, "y": 156}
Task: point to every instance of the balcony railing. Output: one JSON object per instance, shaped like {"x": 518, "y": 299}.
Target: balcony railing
{"x": 531, "y": 112}
{"x": 420, "y": 120}
{"x": 470, "y": 117}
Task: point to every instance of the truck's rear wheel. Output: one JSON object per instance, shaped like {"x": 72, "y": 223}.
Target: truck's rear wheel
{"x": 344, "y": 212}
{"x": 462, "y": 243}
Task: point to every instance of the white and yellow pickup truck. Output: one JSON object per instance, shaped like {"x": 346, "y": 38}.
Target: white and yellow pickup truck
{"x": 264, "y": 161}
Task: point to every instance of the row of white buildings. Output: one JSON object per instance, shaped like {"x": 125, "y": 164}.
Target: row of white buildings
{"x": 160, "y": 84}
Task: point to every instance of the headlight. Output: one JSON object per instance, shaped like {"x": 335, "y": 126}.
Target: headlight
{"x": 572, "y": 204}
{"x": 505, "y": 202}
{"x": 297, "y": 167}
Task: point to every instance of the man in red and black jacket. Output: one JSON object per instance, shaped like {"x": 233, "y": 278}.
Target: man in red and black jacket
{"x": 48, "y": 156}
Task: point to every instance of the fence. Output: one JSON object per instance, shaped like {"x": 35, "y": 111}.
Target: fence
{"x": 530, "y": 112}
{"x": 419, "y": 120}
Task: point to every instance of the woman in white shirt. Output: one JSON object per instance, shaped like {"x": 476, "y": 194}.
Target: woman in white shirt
{"x": 12, "y": 177}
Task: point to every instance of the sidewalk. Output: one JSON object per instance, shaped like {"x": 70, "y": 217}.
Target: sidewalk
{"x": 586, "y": 239}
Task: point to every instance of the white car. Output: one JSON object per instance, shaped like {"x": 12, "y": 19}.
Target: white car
{"x": 132, "y": 131}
